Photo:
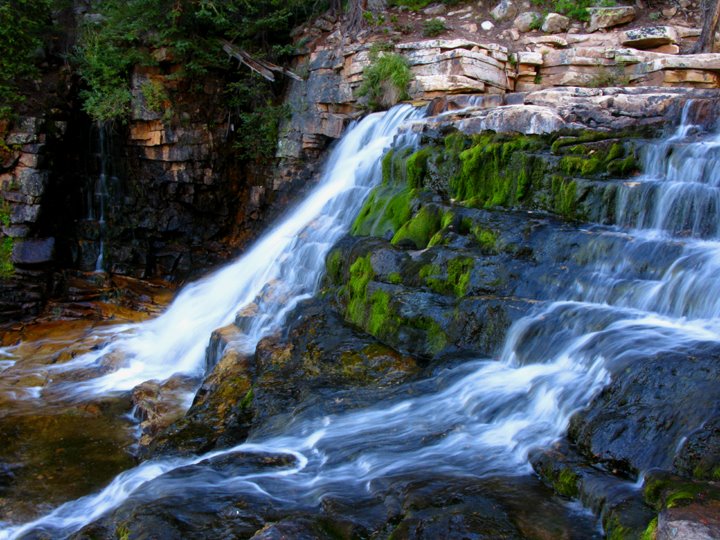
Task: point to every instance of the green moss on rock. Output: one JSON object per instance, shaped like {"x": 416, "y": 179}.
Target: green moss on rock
{"x": 385, "y": 211}
{"x": 421, "y": 228}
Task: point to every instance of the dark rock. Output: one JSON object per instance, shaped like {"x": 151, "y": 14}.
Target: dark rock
{"x": 639, "y": 420}
{"x": 33, "y": 252}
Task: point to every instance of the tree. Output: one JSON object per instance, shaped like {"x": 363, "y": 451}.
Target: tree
{"x": 354, "y": 20}
{"x": 711, "y": 20}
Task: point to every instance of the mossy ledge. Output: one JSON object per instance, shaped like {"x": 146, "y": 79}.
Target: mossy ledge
{"x": 562, "y": 175}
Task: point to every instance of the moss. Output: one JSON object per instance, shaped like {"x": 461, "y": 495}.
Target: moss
{"x": 614, "y": 530}
{"x": 380, "y": 313}
{"x": 385, "y": 211}
{"x": 421, "y": 228}
{"x": 387, "y": 166}
{"x": 486, "y": 238}
{"x": 7, "y": 269}
{"x": 623, "y": 167}
{"x": 394, "y": 278}
{"x": 667, "y": 491}
{"x": 416, "y": 166}
{"x": 334, "y": 266}
{"x": 497, "y": 170}
{"x": 122, "y": 532}
{"x": 435, "y": 338}
{"x": 650, "y": 533}
{"x": 247, "y": 399}
{"x": 564, "y": 197}
{"x": 372, "y": 313}
{"x": 566, "y": 483}
{"x": 361, "y": 272}
{"x": 455, "y": 281}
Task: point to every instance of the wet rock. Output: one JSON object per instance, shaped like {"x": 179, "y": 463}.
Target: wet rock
{"x": 555, "y": 23}
{"x": 607, "y": 17}
{"x": 639, "y": 420}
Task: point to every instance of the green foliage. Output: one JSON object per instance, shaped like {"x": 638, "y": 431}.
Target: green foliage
{"x": 7, "y": 269}
{"x": 575, "y": 9}
{"x": 258, "y": 118}
{"x": 24, "y": 24}
{"x": 385, "y": 80}
{"x": 433, "y": 27}
{"x": 536, "y": 23}
{"x": 190, "y": 31}
{"x": 416, "y": 5}
{"x": 156, "y": 97}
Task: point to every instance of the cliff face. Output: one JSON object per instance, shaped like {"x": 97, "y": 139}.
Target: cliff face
{"x": 175, "y": 198}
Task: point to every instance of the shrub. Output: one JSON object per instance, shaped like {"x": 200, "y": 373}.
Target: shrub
{"x": 24, "y": 25}
{"x": 433, "y": 27}
{"x": 385, "y": 80}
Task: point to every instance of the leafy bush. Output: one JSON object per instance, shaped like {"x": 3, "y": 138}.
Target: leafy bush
{"x": 433, "y": 27}
{"x": 385, "y": 80}
{"x": 575, "y": 9}
{"x": 23, "y": 27}
{"x": 416, "y": 5}
{"x": 192, "y": 31}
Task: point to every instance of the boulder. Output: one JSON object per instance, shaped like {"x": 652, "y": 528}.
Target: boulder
{"x": 607, "y": 17}
{"x": 526, "y": 21}
{"x": 555, "y": 23}
{"x": 33, "y": 252}
{"x": 435, "y": 9}
{"x": 504, "y": 11}
{"x": 649, "y": 37}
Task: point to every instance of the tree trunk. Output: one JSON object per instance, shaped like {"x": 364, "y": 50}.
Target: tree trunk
{"x": 711, "y": 19}
{"x": 355, "y": 21}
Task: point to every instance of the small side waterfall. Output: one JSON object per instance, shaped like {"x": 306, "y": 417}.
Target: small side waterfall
{"x": 479, "y": 419}
{"x": 100, "y": 192}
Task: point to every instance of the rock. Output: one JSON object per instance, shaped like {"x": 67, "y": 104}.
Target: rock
{"x": 639, "y": 421}
{"x": 470, "y": 28}
{"x": 695, "y": 521}
{"x": 670, "y": 12}
{"x": 649, "y": 37}
{"x": 33, "y": 252}
{"x": 323, "y": 24}
{"x": 435, "y": 9}
{"x": 555, "y": 23}
{"x": 607, "y": 17}
{"x": 504, "y": 11}
{"x": 487, "y": 26}
{"x": 526, "y": 21}
{"x": 514, "y": 34}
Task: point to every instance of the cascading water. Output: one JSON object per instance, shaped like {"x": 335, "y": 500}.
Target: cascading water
{"x": 281, "y": 269}
{"x": 479, "y": 419}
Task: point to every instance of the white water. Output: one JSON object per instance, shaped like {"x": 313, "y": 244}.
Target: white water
{"x": 282, "y": 268}
{"x": 647, "y": 292}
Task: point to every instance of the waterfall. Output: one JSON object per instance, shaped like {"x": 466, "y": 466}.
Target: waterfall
{"x": 479, "y": 419}
{"x": 282, "y": 268}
